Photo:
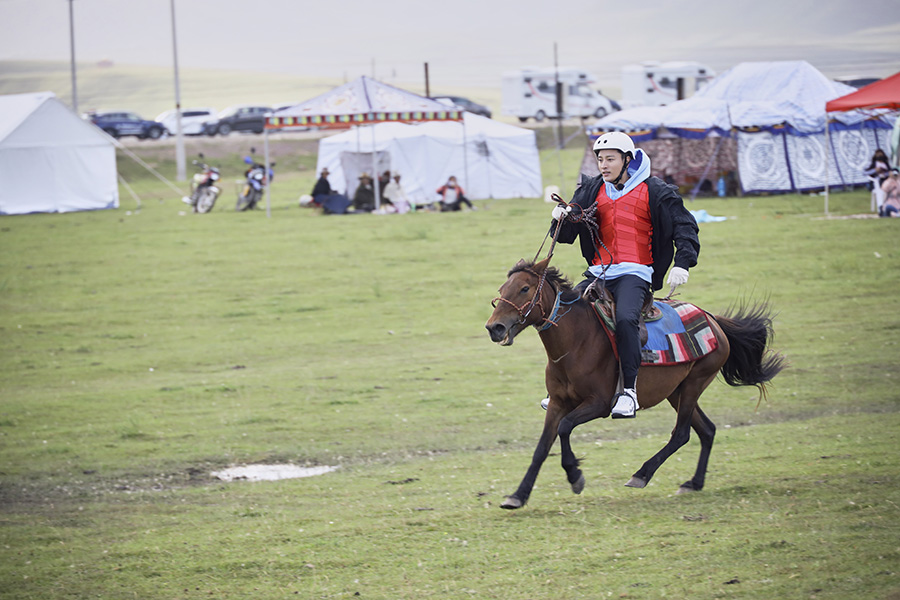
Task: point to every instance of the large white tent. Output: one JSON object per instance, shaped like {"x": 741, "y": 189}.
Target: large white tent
{"x": 490, "y": 159}
{"x": 765, "y": 120}
{"x": 51, "y": 160}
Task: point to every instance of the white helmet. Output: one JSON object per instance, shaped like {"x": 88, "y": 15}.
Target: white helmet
{"x": 614, "y": 140}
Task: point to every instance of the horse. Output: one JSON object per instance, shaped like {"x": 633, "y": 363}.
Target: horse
{"x": 582, "y": 371}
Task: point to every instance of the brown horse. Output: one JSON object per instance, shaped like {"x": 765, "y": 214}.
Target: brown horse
{"x": 582, "y": 370}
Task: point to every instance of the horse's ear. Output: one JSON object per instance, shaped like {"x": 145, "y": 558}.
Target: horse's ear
{"x": 540, "y": 267}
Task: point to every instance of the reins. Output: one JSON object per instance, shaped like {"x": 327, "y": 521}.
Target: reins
{"x": 586, "y": 215}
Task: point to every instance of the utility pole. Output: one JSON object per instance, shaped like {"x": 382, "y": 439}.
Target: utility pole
{"x": 180, "y": 172}
{"x": 427, "y": 85}
{"x": 559, "y": 118}
{"x": 72, "y": 55}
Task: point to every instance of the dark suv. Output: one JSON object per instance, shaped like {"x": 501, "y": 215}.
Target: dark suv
{"x": 465, "y": 104}
{"x": 238, "y": 118}
{"x": 120, "y": 123}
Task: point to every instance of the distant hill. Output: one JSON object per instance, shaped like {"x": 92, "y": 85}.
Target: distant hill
{"x": 149, "y": 91}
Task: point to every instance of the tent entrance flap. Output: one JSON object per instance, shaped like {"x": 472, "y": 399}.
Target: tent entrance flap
{"x": 355, "y": 164}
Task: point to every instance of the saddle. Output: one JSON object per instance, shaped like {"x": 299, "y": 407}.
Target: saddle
{"x": 605, "y": 304}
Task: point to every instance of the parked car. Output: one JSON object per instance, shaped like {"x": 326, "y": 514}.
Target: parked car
{"x": 465, "y": 104}
{"x": 192, "y": 120}
{"x": 122, "y": 123}
{"x": 238, "y": 118}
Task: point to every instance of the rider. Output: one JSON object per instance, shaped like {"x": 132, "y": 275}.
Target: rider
{"x": 639, "y": 219}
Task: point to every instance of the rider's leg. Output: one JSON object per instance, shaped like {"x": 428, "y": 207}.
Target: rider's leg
{"x": 629, "y": 292}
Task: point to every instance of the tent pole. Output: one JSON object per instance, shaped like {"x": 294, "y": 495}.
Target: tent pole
{"x": 375, "y": 171}
{"x": 465, "y": 153}
{"x": 827, "y": 150}
{"x": 268, "y": 183}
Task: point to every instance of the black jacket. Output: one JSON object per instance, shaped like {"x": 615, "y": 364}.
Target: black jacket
{"x": 322, "y": 188}
{"x": 674, "y": 227}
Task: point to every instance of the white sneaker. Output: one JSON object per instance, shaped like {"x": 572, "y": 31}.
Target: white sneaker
{"x": 626, "y": 404}
{"x": 545, "y": 403}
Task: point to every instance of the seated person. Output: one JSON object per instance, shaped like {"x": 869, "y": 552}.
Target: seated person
{"x": 364, "y": 197}
{"x": 453, "y": 196}
{"x": 395, "y": 195}
{"x": 322, "y": 189}
{"x": 891, "y": 188}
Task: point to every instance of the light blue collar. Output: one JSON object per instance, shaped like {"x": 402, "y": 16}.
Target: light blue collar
{"x": 638, "y": 172}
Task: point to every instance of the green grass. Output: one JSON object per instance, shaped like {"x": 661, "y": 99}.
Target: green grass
{"x": 144, "y": 348}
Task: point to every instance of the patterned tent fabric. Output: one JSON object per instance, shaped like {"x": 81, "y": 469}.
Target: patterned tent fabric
{"x": 773, "y": 118}
{"x": 361, "y": 102}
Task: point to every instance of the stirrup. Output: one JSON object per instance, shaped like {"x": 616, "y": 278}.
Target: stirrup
{"x": 625, "y": 406}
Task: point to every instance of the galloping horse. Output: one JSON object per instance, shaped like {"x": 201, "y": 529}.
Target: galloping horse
{"x": 582, "y": 371}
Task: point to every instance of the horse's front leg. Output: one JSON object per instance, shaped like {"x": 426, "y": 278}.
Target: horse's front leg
{"x": 584, "y": 413}
{"x": 548, "y": 436}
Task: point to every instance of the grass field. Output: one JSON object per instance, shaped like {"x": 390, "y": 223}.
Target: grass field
{"x": 144, "y": 348}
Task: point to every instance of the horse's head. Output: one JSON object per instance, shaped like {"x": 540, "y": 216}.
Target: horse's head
{"x": 521, "y": 301}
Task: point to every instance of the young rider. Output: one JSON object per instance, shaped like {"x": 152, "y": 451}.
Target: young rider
{"x": 641, "y": 222}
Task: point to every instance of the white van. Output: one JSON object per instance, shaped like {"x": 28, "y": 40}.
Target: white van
{"x": 530, "y": 94}
{"x": 192, "y": 120}
{"x": 654, "y": 83}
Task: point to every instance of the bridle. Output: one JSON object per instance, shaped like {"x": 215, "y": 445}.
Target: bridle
{"x": 528, "y": 306}
{"x": 587, "y": 215}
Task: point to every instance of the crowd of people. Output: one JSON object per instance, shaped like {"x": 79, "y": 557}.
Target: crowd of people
{"x": 392, "y": 196}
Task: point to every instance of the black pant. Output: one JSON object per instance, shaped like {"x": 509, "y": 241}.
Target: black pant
{"x": 629, "y": 292}
{"x": 457, "y": 205}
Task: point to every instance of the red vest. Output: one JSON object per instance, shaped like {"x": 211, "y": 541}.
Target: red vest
{"x": 625, "y": 227}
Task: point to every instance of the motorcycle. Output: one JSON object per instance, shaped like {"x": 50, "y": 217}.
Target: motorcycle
{"x": 257, "y": 178}
{"x": 204, "y": 192}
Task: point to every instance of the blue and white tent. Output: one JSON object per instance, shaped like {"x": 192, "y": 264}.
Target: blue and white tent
{"x": 763, "y": 120}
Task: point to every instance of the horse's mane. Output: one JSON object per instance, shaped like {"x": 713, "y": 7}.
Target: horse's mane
{"x": 554, "y": 277}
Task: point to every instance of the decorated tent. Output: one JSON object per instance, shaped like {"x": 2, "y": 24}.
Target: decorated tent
{"x": 51, "y": 160}
{"x": 762, "y": 122}
{"x": 360, "y": 102}
{"x": 490, "y": 159}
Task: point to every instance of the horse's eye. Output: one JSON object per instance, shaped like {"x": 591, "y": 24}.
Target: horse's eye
{"x": 524, "y": 290}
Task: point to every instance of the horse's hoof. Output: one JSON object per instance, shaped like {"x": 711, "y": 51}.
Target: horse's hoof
{"x": 511, "y": 502}
{"x": 685, "y": 490}
{"x": 578, "y": 486}
{"x": 636, "y": 482}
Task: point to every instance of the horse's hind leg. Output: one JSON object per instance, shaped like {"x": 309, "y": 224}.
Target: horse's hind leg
{"x": 684, "y": 399}
{"x": 706, "y": 431}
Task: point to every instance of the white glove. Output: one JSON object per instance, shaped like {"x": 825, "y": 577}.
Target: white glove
{"x": 677, "y": 276}
{"x": 561, "y": 211}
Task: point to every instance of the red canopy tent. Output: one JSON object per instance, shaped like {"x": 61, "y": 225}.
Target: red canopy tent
{"x": 881, "y": 94}
{"x": 884, "y": 94}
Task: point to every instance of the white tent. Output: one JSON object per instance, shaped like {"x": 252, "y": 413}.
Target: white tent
{"x": 51, "y": 160}
{"x": 490, "y": 159}
{"x": 775, "y": 112}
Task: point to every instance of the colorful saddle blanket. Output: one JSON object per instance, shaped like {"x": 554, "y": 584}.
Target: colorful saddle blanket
{"x": 680, "y": 334}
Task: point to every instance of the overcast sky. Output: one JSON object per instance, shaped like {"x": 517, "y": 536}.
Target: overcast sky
{"x": 465, "y": 42}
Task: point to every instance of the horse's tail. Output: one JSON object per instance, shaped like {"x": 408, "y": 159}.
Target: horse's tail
{"x": 749, "y": 332}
